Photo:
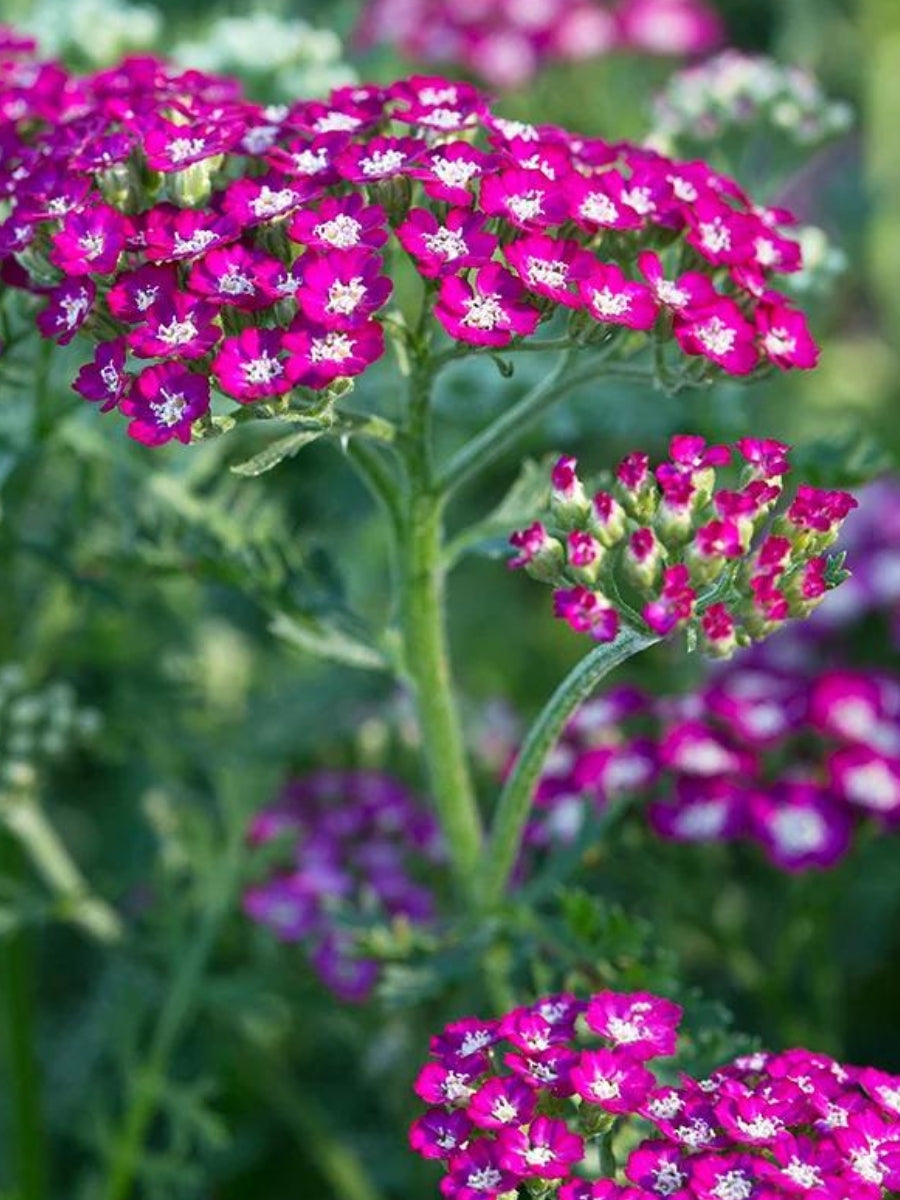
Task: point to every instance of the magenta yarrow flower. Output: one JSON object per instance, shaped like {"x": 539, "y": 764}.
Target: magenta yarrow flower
{"x": 762, "y": 1127}
{"x": 182, "y": 210}
{"x": 691, "y": 555}
{"x": 164, "y": 403}
{"x": 352, "y": 843}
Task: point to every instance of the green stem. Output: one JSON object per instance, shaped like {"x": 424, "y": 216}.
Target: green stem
{"x": 18, "y": 1006}
{"x": 516, "y": 799}
{"x": 178, "y": 1008}
{"x": 376, "y": 475}
{"x": 26, "y": 820}
{"x": 426, "y": 652}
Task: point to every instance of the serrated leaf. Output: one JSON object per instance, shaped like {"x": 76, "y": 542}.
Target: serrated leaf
{"x": 319, "y": 636}
{"x": 276, "y": 452}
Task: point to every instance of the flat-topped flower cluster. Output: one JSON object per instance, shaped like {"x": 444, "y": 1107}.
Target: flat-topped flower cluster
{"x": 193, "y": 235}
{"x": 518, "y": 1106}
{"x": 354, "y": 840}
{"x": 727, "y": 563}
{"x": 791, "y": 762}
{"x": 505, "y": 42}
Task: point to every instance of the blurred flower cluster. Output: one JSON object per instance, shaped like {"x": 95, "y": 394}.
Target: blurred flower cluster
{"x": 38, "y": 725}
{"x": 506, "y": 42}
{"x": 559, "y": 1098}
{"x": 733, "y": 90}
{"x": 174, "y": 221}
{"x": 665, "y": 549}
{"x": 356, "y": 842}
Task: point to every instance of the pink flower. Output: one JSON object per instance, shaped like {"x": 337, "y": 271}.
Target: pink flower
{"x": 179, "y": 326}
{"x": 448, "y": 172}
{"x": 527, "y": 199}
{"x": 477, "y": 1174}
{"x": 340, "y": 223}
{"x": 488, "y": 311}
{"x": 105, "y": 379}
{"x": 612, "y": 1079}
{"x": 442, "y": 248}
{"x": 172, "y": 234}
{"x": 720, "y": 333}
{"x": 270, "y": 198}
{"x": 587, "y": 612}
{"x": 89, "y": 241}
{"x": 342, "y": 291}
{"x": 164, "y": 403}
{"x": 237, "y": 275}
{"x": 549, "y": 266}
{"x": 134, "y": 292}
{"x": 67, "y": 309}
{"x": 868, "y": 780}
{"x": 800, "y": 827}
{"x": 502, "y": 1102}
{"x": 439, "y": 1134}
{"x": 318, "y": 354}
{"x": 547, "y": 1150}
{"x": 638, "y": 1022}
{"x": 380, "y": 158}
{"x": 252, "y": 365}
{"x": 611, "y": 297}
{"x": 785, "y": 337}
{"x": 172, "y": 147}
{"x": 596, "y": 202}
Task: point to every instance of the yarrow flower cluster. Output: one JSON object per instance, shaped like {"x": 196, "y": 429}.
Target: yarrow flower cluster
{"x": 193, "y": 235}
{"x": 355, "y": 839}
{"x": 506, "y": 42}
{"x": 792, "y": 763}
{"x": 728, "y": 564}
{"x": 519, "y": 1105}
{"x": 734, "y": 90}
{"x": 38, "y": 725}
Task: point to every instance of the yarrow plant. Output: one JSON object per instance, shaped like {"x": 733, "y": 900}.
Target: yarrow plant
{"x": 567, "y": 1098}
{"x": 505, "y": 42}
{"x": 197, "y": 238}
{"x": 724, "y": 563}
{"x": 355, "y": 840}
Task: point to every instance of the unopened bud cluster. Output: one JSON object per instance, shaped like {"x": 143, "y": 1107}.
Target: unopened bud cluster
{"x": 37, "y": 725}
{"x": 668, "y": 549}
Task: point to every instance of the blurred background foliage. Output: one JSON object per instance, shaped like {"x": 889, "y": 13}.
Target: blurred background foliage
{"x": 149, "y": 580}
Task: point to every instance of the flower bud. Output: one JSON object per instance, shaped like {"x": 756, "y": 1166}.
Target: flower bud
{"x": 541, "y": 555}
{"x": 585, "y": 556}
{"x": 568, "y": 502}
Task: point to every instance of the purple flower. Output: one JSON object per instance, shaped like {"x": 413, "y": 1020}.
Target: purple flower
{"x": 105, "y": 380}
{"x": 252, "y": 365}
{"x": 164, "y": 403}
{"x": 89, "y": 241}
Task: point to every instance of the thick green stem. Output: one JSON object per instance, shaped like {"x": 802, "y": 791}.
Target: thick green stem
{"x": 23, "y": 1075}
{"x": 517, "y": 796}
{"x": 426, "y": 652}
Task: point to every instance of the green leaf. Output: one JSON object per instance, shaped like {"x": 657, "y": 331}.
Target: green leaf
{"x": 845, "y": 461}
{"x": 276, "y": 452}
{"x": 324, "y": 638}
{"x": 528, "y": 496}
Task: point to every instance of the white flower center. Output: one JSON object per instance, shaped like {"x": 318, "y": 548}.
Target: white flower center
{"x": 170, "y": 410}
{"x": 198, "y": 241}
{"x": 484, "y": 312}
{"x": 683, "y": 188}
{"x": 779, "y": 341}
{"x": 872, "y": 786}
{"x": 345, "y": 298}
{"x": 504, "y": 1111}
{"x": 715, "y": 336}
{"x": 606, "y": 1088}
{"x": 337, "y": 122}
{"x": 236, "y": 283}
{"x": 271, "y": 202}
{"x": 624, "y": 1031}
{"x": 486, "y": 1179}
{"x": 599, "y": 208}
{"x": 92, "y": 244}
{"x": 542, "y": 271}
{"x": 866, "y": 1165}
{"x": 715, "y": 235}
{"x": 474, "y": 1041}
{"x": 454, "y": 172}
{"x": 760, "y": 1128}
{"x": 110, "y": 377}
{"x": 443, "y": 118}
{"x": 807, "y": 1175}
{"x": 668, "y": 1179}
{"x": 539, "y": 1156}
{"x": 639, "y": 199}
{"x": 181, "y": 148}
{"x": 382, "y": 162}
{"x": 334, "y": 347}
{"x": 609, "y": 303}
{"x": 177, "y": 333}
{"x": 798, "y": 831}
{"x": 671, "y": 294}
{"x": 145, "y": 297}
{"x": 447, "y": 244}
{"x": 342, "y": 232}
{"x": 456, "y": 1087}
{"x": 527, "y": 205}
{"x": 664, "y": 1108}
{"x": 263, "y": 369}
{"x": 733, "y": 1185}
{"x": 311, "y": 162}
{"x": 74, "y": 308}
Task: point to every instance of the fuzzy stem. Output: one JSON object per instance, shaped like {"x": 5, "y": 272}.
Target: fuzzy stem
{"x": 516, "y": 799}
{"x": 18, "y": 1006}
{"x": 426, "y": 652}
